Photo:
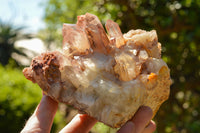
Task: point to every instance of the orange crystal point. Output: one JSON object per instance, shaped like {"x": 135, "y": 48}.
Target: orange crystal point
{"x": 75, "y": 41}
{"x": 115, "y": 33}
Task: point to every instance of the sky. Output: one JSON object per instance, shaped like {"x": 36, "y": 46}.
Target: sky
{"x": 28, "y": 13}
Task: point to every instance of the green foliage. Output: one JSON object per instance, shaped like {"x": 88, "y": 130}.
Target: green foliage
{"x": 101, "y": 128}
{"x": 19, "y": 98}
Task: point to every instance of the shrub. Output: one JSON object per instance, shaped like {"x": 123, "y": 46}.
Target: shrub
{"x": 18, "y": 99}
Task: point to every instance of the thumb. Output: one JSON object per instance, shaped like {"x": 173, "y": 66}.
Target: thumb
{"x": 42, "y": 118}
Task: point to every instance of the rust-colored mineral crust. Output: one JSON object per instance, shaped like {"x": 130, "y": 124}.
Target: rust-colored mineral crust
{"x": 108, "y": 76}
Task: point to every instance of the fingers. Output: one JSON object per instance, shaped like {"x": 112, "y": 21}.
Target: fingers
{"x": 45, "y": 112}
{"x": 129, "y": 127}
{"x": 142, "y": 118}
{"x": 151, "y": 127}
{"x": 138, "y": 123}
{"x": 81, "y": 123}
{"x": 42, "y": 118}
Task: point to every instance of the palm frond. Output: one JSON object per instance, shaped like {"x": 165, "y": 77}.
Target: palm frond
{"x": 9, "y": 34}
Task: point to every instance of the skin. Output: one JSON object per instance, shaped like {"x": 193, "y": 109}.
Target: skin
{"x": 42, "y": 119}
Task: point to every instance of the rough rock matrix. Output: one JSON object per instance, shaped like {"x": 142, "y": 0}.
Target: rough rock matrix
{"x": 108, "y": 76}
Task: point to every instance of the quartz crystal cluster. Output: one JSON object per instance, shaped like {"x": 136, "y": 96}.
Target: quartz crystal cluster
{"x": 106, "y": 75}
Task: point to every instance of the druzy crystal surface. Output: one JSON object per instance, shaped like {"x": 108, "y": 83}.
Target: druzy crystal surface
{"x": 106, "y": 75}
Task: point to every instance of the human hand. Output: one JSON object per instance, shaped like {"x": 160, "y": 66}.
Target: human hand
{"x": 140, "y": 123}
{"x": 42, "y": 119}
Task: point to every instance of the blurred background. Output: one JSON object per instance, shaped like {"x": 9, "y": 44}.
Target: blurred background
{"x": 29, "y": 27}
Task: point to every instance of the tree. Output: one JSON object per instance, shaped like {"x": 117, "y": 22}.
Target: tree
{"x": 8, "y": 36}
{"x": 177, "y": 25}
